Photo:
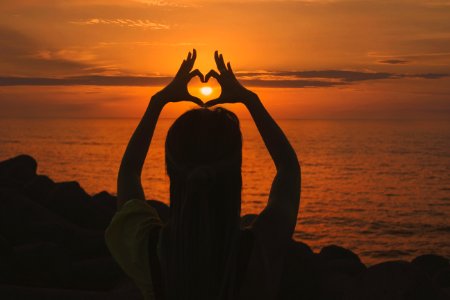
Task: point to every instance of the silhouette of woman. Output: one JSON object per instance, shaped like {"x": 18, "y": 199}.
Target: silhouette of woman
{"x": 201, "y": 252}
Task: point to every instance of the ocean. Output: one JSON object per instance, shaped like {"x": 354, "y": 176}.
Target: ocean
{"x": 380, "y": 188}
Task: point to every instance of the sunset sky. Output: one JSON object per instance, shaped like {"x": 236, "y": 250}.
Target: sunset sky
{"x": 306, "y": 59}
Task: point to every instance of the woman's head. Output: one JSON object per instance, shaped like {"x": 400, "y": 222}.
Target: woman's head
{"x": 203, "y": 161}
{"x": 203, "y": 137}
{"x": 204, "y": 151}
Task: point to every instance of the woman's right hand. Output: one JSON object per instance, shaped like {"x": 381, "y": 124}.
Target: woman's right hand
{"x": 177, "y": 90}
{"x": 232, "y": 90}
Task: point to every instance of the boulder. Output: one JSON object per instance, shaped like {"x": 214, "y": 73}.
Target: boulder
{"x": 338, "y": 268}
{"x": 23, "y": 292}
{"x": 19, "y": 217}
{"x": 442, "y": 278}
{"x": 35, "y": 264}
{"x": 333, "y": 252}
{"x": 347, "y": 266}
{"x": 39, "y": 188}
{"x": 5, "y": 259}
{"x": 335, "y": 285}
{"x": 100, "y": 274}
{"x": 17, "y": 171}
{"x": 69, "y": 200}
{"x": 431, "y": 264}
{"x": 300, "y": 277}
{"x": 23, "y": 221}
{"x": 393, "y": 280}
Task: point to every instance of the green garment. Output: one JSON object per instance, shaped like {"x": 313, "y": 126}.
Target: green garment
{"x": 127, "y": 238}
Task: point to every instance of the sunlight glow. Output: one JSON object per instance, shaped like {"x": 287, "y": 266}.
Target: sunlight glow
{"x": 206, "y": 90}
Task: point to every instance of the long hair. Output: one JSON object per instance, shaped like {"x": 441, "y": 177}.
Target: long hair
{"x": 203, "y": 162}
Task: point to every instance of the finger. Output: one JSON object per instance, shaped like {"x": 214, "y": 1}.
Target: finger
{"x": 213, "y": 102}
{"x": 230, "y": 70}
{"x": 192, "y": 60}
{"x": 196, "y": 100}
{"x": 210, "y": 74}
{"x": 189, "y": 56}
{"x": 229, "y": 67}
{"x": 222, "y": 67}
{"x": 197, "y": 72}
{"x": 216, "y": 58}
{"x": 182, "y": 67}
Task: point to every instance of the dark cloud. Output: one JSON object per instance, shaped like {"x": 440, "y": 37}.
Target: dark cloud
{"x": 86, "y": 80}
{"x": 341, "y": 75}
{"x": 299, "y": 79}
{"x": 22, "y": 54}
{"x": 23, "y": 60}
{"x": 393, "y": 61}
{"x": 429, "y": 76}
{"x": 288, "y": 83}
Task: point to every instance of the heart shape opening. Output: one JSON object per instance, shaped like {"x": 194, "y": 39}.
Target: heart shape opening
{"x": 204, "y": 90}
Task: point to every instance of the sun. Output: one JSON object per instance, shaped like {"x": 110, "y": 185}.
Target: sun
{"x": 206, "y": 90}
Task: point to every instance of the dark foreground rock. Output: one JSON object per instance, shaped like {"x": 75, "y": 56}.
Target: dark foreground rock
{"x": 52, "y": 247}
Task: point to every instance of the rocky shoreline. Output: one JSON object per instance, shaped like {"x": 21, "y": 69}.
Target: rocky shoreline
{"x": 52, "y": 247}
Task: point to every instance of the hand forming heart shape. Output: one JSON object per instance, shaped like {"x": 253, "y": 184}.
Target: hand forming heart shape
{"x": 231, "y": 90}
{"x": 204, "y": 89}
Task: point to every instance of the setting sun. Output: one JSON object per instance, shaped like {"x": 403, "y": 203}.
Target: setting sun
{"x": 206, "y": 90}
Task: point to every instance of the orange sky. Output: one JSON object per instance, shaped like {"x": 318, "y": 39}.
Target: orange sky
{"x": 306, "y": 59}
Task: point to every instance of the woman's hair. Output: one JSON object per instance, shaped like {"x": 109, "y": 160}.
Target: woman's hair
{"x": 203, "y": 161}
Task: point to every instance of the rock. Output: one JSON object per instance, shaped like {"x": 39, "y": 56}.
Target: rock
{"x": 69, "y": 200}
{"x": 17, "y": 216}
{"x": 23, "y": 221}
{"x": 431, "y": 264}
{"x": 39, "y": 188}
{"x": 338, "y": 268}
{"x": 442, "y": 278}
{"x": 105, "y": 201}
{"x": 20, "y": 217}
{"x": 349, "y": 267}
{"x": 101, "y": 273}
{"x": 23, "y": 292}
{"x": 35, "y": 264}
{"x": 85, "y": 246}
{"x": 17, "y": 171}
{"x": 333, "y": 252}
{"x": 162, "y": 209}
{"x": 300, "y": 277}
{"x": 393, "y": 280}
{"x": 5, "y": 259}
{"x": 335, "y": 285}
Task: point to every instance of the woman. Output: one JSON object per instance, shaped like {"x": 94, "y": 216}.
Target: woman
{"x": 201, "y": 252}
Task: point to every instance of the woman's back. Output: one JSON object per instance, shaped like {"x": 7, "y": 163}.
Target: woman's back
{"x": 201, "y": 251}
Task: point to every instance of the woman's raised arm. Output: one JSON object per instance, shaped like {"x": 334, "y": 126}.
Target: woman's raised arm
{"x": 277, "y": 221}
{"x": 129, "y": 184}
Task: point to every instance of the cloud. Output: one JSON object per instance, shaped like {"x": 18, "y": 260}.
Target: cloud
{"x": 333, "y": 77}
{"x": 429, "y": 76}
{"x": 280, "y": 79}
{"x": 97, "y": 80}
{"x": 393, "y": 61}
{"x": 24, "y": 56}
{"x": 166, "y": 3}
{"x": 137, "y": 23}
{"x": 424, "y": 57}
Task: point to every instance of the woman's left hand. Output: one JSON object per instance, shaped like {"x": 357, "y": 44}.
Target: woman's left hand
{"x": 177, "y": 90}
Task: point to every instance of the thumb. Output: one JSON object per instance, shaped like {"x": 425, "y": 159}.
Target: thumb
{"x": 196, "y": 100}
{"x": 214, "y": 102}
